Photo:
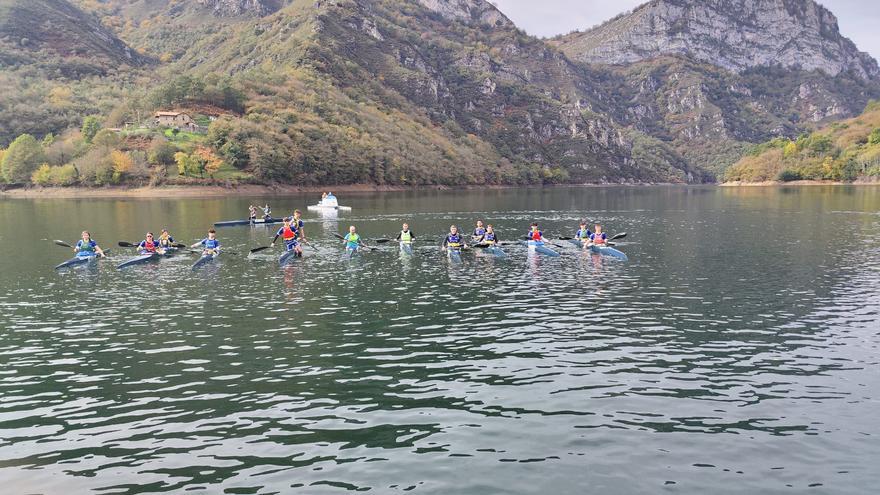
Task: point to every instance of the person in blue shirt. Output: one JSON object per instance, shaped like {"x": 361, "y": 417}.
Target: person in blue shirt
{"x": 535, "y": 235}
{"x": 87, "y": 246}
{"x": 479, "y": 232}
{"x": 210, "y": 245}
{"x": 150, "y": 246}
{"x": 598, "y": 237}
{"x": 490, "y": 237}
{"x": 166, "y": 242}
{"x": 267, "y": 212}
{"x": 583, "y": 234}
{"x": 289, "y": 233}
{"x": 453, "y": 240}
{"x": 352, "y": 240}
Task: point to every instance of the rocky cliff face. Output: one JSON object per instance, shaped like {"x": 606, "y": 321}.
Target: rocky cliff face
{"x": 470, "y": 11}
{"x": 733, "y": 34}
{"x": 226, "y": 8}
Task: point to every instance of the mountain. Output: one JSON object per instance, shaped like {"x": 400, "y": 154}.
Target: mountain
{"x": 418, "y": 92}
{"x": 736, "y": 35}
{"x": 713, "y": 77}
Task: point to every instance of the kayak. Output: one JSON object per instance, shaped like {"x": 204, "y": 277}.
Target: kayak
{"x": 206, "y": 258}
{"x": 454, "y": 254}
{"x": 406, "y": 248}
{"x": 328, "y": 203}
{"x": 288, "y": 256}
{"x": 258, "y": 221}
{"x": 140, "y": 259}
{"x": 78, "y": 260}
{"x": 352, "y": 252}
{"x": 577, "y": 242}
{"x": 540, "y": 248}
{"x": 608, "y": 251}
{"x": 496, "y": 251}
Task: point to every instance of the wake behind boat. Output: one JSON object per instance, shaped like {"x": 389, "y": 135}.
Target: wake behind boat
{"x": 328, "y": 202}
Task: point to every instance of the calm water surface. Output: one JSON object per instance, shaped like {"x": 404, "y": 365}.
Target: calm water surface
{"x": 738, "y": 351}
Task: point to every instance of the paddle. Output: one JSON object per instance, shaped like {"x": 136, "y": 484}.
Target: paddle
{"x": 126, "y": 244}
{"x": 381, "y": 241}
{"x": 261, "y": 248}
{"x": 63, "y": 244}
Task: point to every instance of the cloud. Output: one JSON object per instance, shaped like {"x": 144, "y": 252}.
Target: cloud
{"x": 858, "y": 19}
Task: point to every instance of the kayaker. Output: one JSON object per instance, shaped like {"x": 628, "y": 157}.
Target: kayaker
{"x": 165, "y": 239}
{"x": 535, "y": 235}
{"x": 87, "y": 246}
{"x": 210, "y": 245}
{"x": 490, "y": 237}
{"x": 352, "y": 239}
{"x": 149, "y": 245}
{"x": 405, "y": 235}
{"x": 267, "y": 212}
{"x": 583, "y": 233}
{"x": 300, "y": 226}
{"x": 289, "y": 234}
{"x": 598, "y": 237}
{"x": 479, "y": 232}
{"x": 252, "y": 213}
{"x": 453, "y": 240}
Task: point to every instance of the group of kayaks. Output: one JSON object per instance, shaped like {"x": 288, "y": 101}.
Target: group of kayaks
{"x": 292, "y": 232}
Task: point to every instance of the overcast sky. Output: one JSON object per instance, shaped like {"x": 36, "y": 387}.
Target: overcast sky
{"x": 859, "y": 19}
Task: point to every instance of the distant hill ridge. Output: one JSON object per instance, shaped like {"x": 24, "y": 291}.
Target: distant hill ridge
{"x": 733, "y": 34}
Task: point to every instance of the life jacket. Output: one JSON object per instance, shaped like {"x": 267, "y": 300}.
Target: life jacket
{"x": 536, "y": 235}
{"x": 479, "y": 232}
{"x": 453, "y": 240}
{"x": 405, "y": 236}
{"x": 489, "y": 237}
{"x": 165, "y": 240}
{"x": 210, "y": 243}
{"x": 353, "y": 240}
{"x": 598, "y": 238}
{"x": 583, "y": 234}
{"x": 86, "y": 247}
{"x": 149, "y": 247}
{"x": 288, "y": 233}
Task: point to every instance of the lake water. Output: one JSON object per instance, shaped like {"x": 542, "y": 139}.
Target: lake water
{"x": 737, "y": 351}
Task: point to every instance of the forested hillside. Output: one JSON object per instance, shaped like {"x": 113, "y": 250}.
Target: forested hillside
{"x": 399, "y": 92}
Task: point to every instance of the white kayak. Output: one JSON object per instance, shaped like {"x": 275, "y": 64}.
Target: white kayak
{"x": 329, "y": 202}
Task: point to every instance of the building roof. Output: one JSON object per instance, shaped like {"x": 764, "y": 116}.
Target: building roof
{"x": 169, "y": 114}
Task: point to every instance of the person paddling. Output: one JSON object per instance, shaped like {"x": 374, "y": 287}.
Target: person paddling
{"x": 352, "y": 240}
{"x": 267, "y": 212}
{"x": 405, "y": 235}
{"x": 149, "y": 245}
{"x": 490, "y": 237}
{"x": 289, "y": 234}
{"x": 87, "y": 246}
{"x": 210, "y": 245}
{"x": 583, "y": 233}
{"x": 300, "y": 226}
{"x": 535, "y": 235}
{"x": 166, "y": 242}
{"x": 453, "y": 240}
{"x": 598, "y": 238}
{"x": 252, "y": 213}
{"x": 479, "y": 232}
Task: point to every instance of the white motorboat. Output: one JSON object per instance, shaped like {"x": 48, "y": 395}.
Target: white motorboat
{"x": 329, "y": 202}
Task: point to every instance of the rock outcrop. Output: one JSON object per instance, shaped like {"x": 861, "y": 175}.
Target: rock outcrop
{"x": 469, "y": 11}
{"x": 733, "y": 34}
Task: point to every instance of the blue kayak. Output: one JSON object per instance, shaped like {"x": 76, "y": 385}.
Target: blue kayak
{"x": 540, "y": 248}
{"x": 288, "y": 256}
{"x": 406, "y": 248}
{"x": 206, "y": 258}
{"x": 454, "y": 254}
{"x": 140, "y": 259}
{"x": 496, "y": 251}
{"x": 608, "y": 251}
{"x": 78, "y": 260}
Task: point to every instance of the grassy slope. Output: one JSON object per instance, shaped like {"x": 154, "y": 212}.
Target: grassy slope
{"x": 843, "y": 150}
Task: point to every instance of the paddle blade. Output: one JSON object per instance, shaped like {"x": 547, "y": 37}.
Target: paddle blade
{"x": 566, "y": 238}
{"x": 125, "y": 244}
{"x": 381, "y": 241}
{"x": 62, "y": 244}
{"x": 618, "y": 236}
{"x": 261, "y": 248}
{"x": 338, "y": 236}
{"x": 179, "y": 245}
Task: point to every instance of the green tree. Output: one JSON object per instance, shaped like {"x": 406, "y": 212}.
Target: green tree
{"x": 22, "y": 158}
{"x": 106, "y": 138}
{"x": 91, "y": 125}
{"x": 42, "y": 176}
{"x": 874, "y": 138}
{"x": 161, "y": 152}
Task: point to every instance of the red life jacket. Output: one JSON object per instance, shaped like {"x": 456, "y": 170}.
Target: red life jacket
{"x": 536, "y": 235}
{"x": 598, "y": 239}
{"x": 288, "y": 234}
{"x": 150, "y": 247}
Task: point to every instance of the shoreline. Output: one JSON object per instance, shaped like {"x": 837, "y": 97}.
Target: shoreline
{"x": 196, "y": 191}
{"x": 256, "y": 190}
{"x": 770, "y": 183}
